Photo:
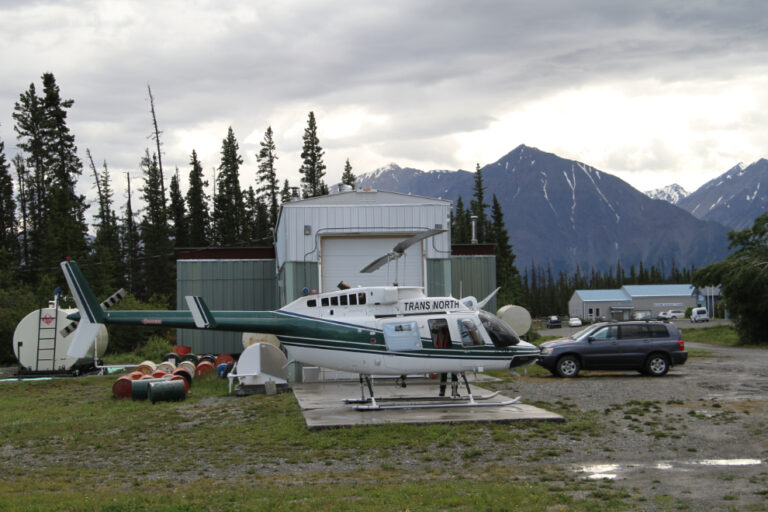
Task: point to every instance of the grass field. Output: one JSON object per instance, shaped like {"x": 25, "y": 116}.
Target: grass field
{"x": 66, "y": 444}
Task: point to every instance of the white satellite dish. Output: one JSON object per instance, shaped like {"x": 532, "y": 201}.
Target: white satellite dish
{"x": 517, "y": 317}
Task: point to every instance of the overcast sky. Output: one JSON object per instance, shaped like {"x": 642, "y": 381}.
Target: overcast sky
{"x": 652, "y": 92}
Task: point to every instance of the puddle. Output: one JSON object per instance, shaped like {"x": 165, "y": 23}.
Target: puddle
{"x": 729, "y": 462}
{"x": 612, "y": 471}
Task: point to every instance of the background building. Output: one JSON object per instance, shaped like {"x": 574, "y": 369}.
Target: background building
{"x": 639, "y": 301}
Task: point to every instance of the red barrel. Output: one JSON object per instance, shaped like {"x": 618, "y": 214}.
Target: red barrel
{"x": 204, "y": 368}
{"x": 122, "y": 387}
{"x": 224, "y": 358}
{"x": 181, "y": 378}
{"x": 159, "y": 374}
{"x": 185, "y": 374}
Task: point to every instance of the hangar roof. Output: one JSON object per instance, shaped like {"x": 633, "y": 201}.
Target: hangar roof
{"x": 628, "y": 292}
{"x": 659, "y": 290}
{"x": 366, "y": 197}
{"x": 603, "y": 295}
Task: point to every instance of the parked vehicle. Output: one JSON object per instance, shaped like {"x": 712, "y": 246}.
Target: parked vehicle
{"x": 650, "y": 347}
{"x": 553, "y": 322}
{"x": 671, "y": 314}
{"x": 699, "y": 315}
{"x": 574, "y": 322}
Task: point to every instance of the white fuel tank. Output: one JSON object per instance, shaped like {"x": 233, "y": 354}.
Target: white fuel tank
{"x": 40, "y": 327}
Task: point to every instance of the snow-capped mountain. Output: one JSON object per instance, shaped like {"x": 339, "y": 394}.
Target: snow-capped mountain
{"x": 565, "y": 213}
{"x": 671, "y": 193}
{"x": 734, "y": 199}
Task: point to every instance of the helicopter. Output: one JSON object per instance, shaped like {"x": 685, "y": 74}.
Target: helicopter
{"x": 372, "y": 330}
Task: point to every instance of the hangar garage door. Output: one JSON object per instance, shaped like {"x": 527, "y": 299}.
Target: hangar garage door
{"x": 342, "y": 258}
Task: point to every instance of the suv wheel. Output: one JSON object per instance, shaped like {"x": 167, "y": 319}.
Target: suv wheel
{"x": 656, "y": 365}
{"x": 567, "y": 366}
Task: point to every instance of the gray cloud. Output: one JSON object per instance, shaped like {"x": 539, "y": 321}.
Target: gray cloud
{"x": 435, "y": 69}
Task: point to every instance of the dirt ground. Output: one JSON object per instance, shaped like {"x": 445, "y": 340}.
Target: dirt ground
{"x": 699, "y": 434}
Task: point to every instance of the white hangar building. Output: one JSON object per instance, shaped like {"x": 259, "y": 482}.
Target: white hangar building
{"x": 324, "y": 240}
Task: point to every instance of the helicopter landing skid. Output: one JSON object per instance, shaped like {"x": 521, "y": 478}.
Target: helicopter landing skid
{"x": 423, "y": 402}
{"x": 443, "y": 404}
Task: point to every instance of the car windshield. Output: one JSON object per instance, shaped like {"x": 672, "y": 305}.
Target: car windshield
{"x": 580, "y": 334}
{"x": 501, "y": 334}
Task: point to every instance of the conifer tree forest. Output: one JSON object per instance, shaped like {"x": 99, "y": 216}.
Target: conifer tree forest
{"x": 43, "y": 218}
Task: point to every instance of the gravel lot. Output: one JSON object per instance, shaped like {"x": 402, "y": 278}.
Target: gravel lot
{"x": 698, "y": 435}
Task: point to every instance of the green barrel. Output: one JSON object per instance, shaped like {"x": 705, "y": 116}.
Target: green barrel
{"x": 167, "y": 391}
{"x": 140, "y": 388}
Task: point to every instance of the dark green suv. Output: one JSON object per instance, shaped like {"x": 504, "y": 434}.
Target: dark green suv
{"x": 646, "y": 346}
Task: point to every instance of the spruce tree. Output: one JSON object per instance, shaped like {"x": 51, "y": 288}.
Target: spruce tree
{"x": 229, "y": 205}
{"x": 9, "y": 242}
{"x": 23, "y": 203}
{"x": 106, "y": 252}
{"x": 507, "y": 274}
{"x": 157, "y": 267}
{"x": 347, "y": 178}
{"x": 312, "y": 169}
{"x": 266, "y": 177}
{"x": 178, "y": 213}
{"x": 131, "y": 247}
{"x": 461, "y": 232}
{"x": 285, "y": 193}
{"x": 33, "y": 179}
{"x": 478, "y": 206}
{"x": 198, "y": 215}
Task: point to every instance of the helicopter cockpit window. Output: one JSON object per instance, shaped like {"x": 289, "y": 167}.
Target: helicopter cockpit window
{"x": 501, "y": 334}
{"x": 400, "y": 336}
{"x": 469, "y": 333}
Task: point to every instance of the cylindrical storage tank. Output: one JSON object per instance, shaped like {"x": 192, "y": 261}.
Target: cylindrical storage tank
{"x": 167, "y": 391}
{"x": 186, "y": 374}
{"x": 140, "y": 388}
{"x": 122, "y": 387}
{"x": 224, "y": 358}
{"x": 43, "y": 326}
{"x": 181, "y": 378}
{"x": 147, "y": 367}
{"x": 172, "y": 356}
{"x": 192, "y": 358}
{"x": 189, "y": 366}
{"x": 203, "y": 368}
{"x": 249, "y": 338}
{"x": 208, "y": 357}
{"x": 167, "y": 366}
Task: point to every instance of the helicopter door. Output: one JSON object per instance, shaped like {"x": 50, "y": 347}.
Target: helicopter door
{"x": 401, "y": 336}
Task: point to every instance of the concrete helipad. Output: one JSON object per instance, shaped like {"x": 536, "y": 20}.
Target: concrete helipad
{"x": 323, "y": 407}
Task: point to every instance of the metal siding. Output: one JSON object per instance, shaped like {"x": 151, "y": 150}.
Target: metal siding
{"x": 438, "y": 278}
{"x": 475, "y": 276}
{"x": 225, "y": 285}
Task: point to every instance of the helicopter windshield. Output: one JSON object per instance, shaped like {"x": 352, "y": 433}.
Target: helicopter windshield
{"x": 501, "y": 334}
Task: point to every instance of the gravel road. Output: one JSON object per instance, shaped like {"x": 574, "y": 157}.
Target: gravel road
{"x": 697, "y": 437}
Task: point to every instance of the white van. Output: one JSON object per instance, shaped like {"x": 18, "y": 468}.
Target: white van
{"x": 699, "y": 315}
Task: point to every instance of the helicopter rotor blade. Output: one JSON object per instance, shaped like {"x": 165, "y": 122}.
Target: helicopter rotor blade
{"x": 402, "y": 246}
{"x": 399, "y": 250}
{"x": 379, "y": 262}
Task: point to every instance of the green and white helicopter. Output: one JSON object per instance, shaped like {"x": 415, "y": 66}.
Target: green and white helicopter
{"x": 372, "y": 330}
